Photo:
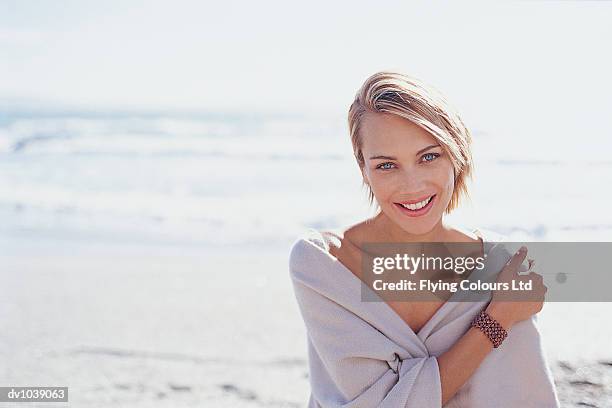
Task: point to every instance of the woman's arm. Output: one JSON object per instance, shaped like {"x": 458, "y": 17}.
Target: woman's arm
{"x": 459, "y": 362}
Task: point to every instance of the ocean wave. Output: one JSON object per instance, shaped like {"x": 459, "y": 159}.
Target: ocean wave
{"x": 281, "y": 139}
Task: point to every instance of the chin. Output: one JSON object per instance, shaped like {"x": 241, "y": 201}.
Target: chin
{"x": 417, "y": 228}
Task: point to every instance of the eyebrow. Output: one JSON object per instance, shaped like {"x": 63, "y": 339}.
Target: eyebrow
{"x": 393, "y": 158}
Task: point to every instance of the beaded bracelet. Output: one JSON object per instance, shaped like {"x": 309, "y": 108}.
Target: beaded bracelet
{"x": 491, "y": 327}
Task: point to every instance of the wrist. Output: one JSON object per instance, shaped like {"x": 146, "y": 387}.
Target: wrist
{"x": 496, "y": 313}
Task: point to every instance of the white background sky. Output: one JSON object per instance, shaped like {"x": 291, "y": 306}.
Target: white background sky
{"x": 540, "y": 62}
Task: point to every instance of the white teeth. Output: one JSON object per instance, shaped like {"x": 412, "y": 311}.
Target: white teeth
{"x": 417, "y": 206}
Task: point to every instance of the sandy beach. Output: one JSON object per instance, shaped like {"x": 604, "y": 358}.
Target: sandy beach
{"x": 172, "y": 326}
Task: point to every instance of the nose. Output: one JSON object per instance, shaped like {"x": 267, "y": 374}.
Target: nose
{"x": 413, "y": 181}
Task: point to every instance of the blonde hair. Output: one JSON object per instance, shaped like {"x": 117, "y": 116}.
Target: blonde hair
{"x": 422, "y": 104}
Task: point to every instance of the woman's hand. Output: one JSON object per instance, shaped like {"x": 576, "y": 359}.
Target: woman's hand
{"x": 509, "y": 312}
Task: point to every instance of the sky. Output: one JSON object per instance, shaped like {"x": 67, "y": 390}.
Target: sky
{"x": 539, "y": 61}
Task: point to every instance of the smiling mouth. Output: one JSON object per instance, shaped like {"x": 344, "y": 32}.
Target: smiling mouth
{"x": 417, "y": 206}
{"x": 419, "y": 209}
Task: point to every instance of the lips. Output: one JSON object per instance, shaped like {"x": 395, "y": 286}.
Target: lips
{"x": 417, "y": 209}
{"x": 415, "y": 205}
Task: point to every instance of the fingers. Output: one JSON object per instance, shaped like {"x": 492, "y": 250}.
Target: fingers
{"x": 539, "y": 280}
{"x": 517, "y": 259}
{"x": 535, "y": 275}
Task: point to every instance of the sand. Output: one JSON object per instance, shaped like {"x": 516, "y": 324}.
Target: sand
{"x": 175, "y": 326}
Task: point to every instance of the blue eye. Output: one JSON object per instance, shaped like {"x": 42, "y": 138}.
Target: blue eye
{"x": 381, "y": 165}
{"x": 432, "y": 156}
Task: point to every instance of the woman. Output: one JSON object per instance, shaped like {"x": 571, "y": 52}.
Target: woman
{"x": 413, "y": 151}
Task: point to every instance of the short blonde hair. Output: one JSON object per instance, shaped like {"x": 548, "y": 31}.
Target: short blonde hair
{"x": 425, "y": 106}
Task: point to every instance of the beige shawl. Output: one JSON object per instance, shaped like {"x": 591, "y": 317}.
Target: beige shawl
{"x": 363, "y": 354}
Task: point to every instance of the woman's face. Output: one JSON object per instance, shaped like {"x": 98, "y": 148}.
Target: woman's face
{"x": 405, "y": 164}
